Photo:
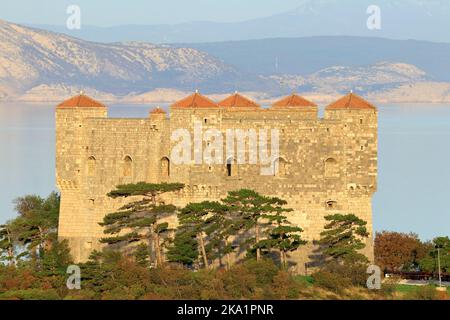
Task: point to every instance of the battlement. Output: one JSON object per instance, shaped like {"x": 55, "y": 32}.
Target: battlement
{"x": 324, "y": 165}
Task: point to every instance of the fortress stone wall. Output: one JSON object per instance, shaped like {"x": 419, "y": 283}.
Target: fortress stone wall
{"x": 325, "y": 165}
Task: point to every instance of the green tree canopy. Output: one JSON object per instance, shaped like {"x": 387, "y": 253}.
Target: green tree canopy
{"x": 204, "y": 227}
{"x": 430, "y": 262}
{"x": 284, "y": 236}
{"x": 343, "y": 237}
{"x": 244, "y": 221}
{"x": 140, "y": 219}
{"x": 256, "y": 211}
{"x": 36, "y": 225}
{"x": 7, "y": 245}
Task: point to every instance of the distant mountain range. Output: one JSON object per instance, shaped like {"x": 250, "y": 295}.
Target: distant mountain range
{"x": 30, "y": 56}
{"x": 37, "y": 65}
{"x": 311, "y": 54}
{"x": 400, "y": 19}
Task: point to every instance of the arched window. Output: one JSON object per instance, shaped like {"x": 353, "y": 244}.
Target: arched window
{"x": 127, "y": 166}
{"x": 91, "y": 166}
{"x": 165, "y": 167}
{"x": 230, "y": 167}
{"x": 280, "y": 167}
{"x": 331, "y": 168}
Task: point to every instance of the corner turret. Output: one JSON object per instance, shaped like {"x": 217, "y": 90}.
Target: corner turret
{"x": 71, "y": 166}
{"x": 359, "y": 132}
{"x": 70, "y": 116}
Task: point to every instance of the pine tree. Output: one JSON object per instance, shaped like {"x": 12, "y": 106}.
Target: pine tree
{"x": 283, "y": 237}
{"x": 37, "y": 223}
{"x": 7, "y": 245}
{"x": 140, "y": 219}
{"x": 430, "y": 262}
{"x": 222, "y": 228}
{"x": 247, "y": 204}
{"x": 343, "y": 237}
{"x": 198, "y": 223}
{"x": 213, "y": 230}
{"x": 56, "y": 258}
{"x": 98, "y": 272}
{"x": 254, "y": 208}
{"x": 142, "y": 255}
{"x": 184, "y": 247}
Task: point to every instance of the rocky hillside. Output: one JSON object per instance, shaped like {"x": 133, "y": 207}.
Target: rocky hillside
{"x": 38, "y": 66}
{"x": 364, "y": 79}
{"x": 30, "y": 58}
{"x": 383, "y": 82}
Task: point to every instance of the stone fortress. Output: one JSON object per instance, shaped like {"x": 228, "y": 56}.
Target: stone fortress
{"x": 325, "y": 165}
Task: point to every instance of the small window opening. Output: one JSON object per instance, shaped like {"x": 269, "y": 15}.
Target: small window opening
{"x": 330, "y": 204}
{"x": 229, "y": 169}
{"x": 127, "y": 166}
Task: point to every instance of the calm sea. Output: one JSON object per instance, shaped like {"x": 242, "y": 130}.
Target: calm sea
{"x": 414, "y": 162}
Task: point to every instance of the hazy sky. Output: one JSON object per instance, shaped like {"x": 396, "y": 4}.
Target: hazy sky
{"x": 116, "y": 12}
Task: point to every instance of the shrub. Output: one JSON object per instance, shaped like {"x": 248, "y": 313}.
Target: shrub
{"x": 355, "y": 273}
{"x": 285, "y": 287}
{"x": 331, "y": 281}
{"x": 175, "y": 283}
{"x": 304, "y": 280}
{"x": 336, "y": 276}
{"x": 12, "y": 278}
{"x": 239, "y": 282}
{"x": 389, "y": 287}
{"x": 423, "y": 293}
{"x": 264, "y": 270}
{"x": 31, "y": 294}
{"x": 83, "y": 294}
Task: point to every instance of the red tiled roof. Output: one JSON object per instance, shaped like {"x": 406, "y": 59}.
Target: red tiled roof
{"x": 195, "y": 100}
{"x": 238, "y": 101}
{"x": 294, "y": 101}
{"x": 351, "y": 101}
{"x": 81, "y": 101}
{"x": 157, "y": 110}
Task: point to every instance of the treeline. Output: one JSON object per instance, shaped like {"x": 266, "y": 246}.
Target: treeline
{"x": 208, "y": 232}
{"x": 235, "y": 248}
{"x": 216, "y": 234}
{"x": 405, "y": 252}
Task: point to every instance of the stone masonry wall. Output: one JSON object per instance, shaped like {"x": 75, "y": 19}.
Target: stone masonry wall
{"x": 326, "y": 166}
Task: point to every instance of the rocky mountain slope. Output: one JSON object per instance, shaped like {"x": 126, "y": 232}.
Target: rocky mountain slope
{"x": 38, "y": 66}
{"x": 31, "y": 57}
{"x": 365, "y": 79}
{"x": 311, "y": 54}
{"x": 382, "y": 82}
